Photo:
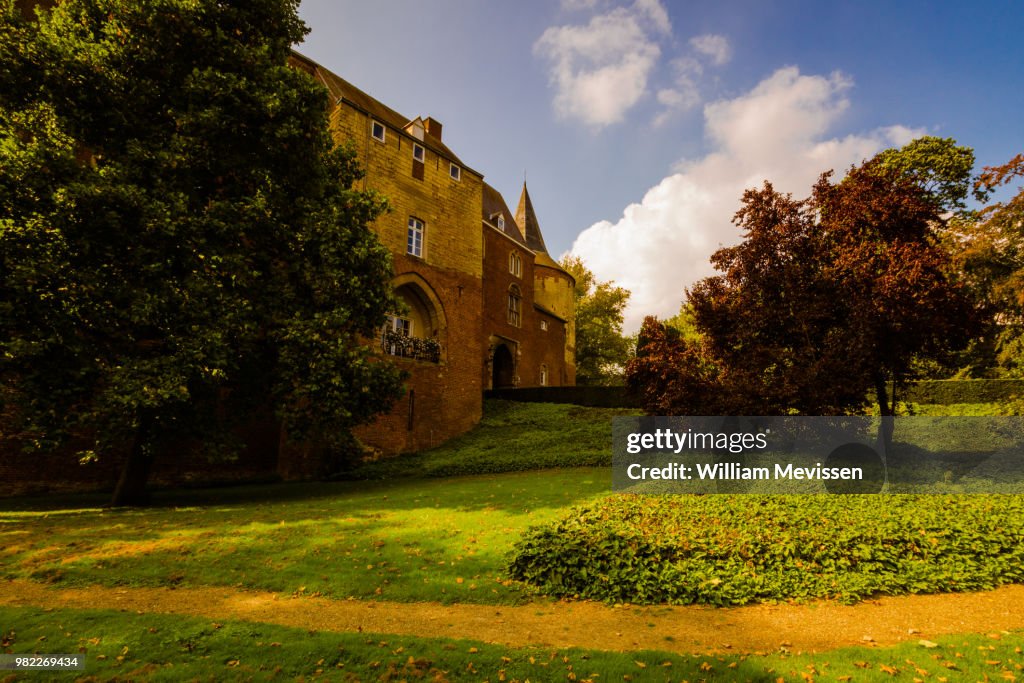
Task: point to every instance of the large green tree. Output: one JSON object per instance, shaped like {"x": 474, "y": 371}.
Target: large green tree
{"x": 180, "y": 245}
{"x": 938, "y": 166}
{"x": 992, "y": 255}
{"x": 601, "y": 348}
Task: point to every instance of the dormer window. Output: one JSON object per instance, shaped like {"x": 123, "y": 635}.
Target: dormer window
{"x": 501, "y": 222}
{"x": 455, "y": 172}
{"x": 377, "y": 131}
{"x": 418, "y": 152}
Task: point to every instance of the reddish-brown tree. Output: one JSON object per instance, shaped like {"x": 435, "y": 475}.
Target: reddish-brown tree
{"x": 672, "y": 375}
{"x": 824, "y": 300}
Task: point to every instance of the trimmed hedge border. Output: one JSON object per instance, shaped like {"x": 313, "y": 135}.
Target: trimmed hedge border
{"x": 591, "y": 397}
{"x": 938, "y": 391}
{"x": 947, "y": 391}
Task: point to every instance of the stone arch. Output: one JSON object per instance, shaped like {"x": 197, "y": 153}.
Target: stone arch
{"x": 424, "y": 305}
{"x": 503, "y": 367}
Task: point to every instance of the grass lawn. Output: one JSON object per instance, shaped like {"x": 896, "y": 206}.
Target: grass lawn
{"x": 154, "y": 647}
{"x": 433, "y": 539}
{"x": 400, "y": 533}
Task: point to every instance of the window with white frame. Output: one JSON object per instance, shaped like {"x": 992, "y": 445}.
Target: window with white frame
{"x": 501, "y": 222}
{"x": 515, "y": 264}
{"x": 414, "y": 238}
{"x": 418, "y": 152}
{"x": 543, "y": 375}
{"x": 402, "y": 326}
{"x": 377, "y": 131}
{"x": 515, "y": 301}
{"x": 543, "y": 325}
{"x": 455, "y": 172}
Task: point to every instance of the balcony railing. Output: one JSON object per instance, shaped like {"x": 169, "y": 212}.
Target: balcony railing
{"x": 397, "y": 344}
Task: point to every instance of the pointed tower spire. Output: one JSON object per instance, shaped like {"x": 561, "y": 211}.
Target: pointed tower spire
{"x": 527, "y": 221}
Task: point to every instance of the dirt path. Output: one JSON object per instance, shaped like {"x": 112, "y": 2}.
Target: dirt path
{"x": 759, "y": 628}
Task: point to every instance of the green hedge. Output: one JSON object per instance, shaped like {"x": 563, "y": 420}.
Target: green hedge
{"x": 945, "y": 392}
{"x": 733, "y": 550}
{"x": 595, "y": 397}
{"x": 949, "y": 391}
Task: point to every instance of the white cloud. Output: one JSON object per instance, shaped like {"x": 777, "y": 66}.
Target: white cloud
{"x": 684, "y": 95}
{"x": 575, "y": 5}
{"x": 778, "y": 132}
{"x": 655, "y": 12}
{"x": 714, "y": 47}
{"x": 600, "y": 70}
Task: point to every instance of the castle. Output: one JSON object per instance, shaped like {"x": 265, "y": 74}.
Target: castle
{"x": 485, "y": 305}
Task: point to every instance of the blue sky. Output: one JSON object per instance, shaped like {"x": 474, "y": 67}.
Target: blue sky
{"x": 638, "y": 124}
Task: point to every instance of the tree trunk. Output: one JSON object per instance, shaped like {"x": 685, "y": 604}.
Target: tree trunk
{"x": 886, "y": 428}
{"x": 131, "y": 486}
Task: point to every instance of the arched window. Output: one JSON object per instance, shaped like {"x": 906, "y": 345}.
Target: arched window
{"x": 515, "y": 300}
{"x": 515, "y": 264}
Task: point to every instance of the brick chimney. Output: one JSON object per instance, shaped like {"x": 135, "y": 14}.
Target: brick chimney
{"x": 433, "y": 127}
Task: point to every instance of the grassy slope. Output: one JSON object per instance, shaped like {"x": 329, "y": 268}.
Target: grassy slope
{"x": 157, "y": 647}
{"x": 513, "y": 437}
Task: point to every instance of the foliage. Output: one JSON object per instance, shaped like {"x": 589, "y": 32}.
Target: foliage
{"x": 512, "y": 437}
{"x": 939, "y": 166}
{"x": 601, "y": 348}
{"x": 673, "y": 375}
{"x": 178, "y": 242}
{"x": 734, "y": 550}
{"x": 169, "y": 647}
{"x": 685, "y": 323}
{"x": 824, "y": 299}
{"x": 992, "y": 255}
{"x": 403, "y": 345}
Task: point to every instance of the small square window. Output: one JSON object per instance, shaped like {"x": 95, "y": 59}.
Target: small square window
{"x": 418, "y": 152}
{"x": 377, "y": 130}
{"x": 455, "y": 172}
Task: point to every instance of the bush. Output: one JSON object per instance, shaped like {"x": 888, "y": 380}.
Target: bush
{"x": 734, "y": 550}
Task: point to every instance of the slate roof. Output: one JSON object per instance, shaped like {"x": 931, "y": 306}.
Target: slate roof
{"x": 494, "y": 204}
{"x": 527, "y": 220}
{"x": 343, "y": 91}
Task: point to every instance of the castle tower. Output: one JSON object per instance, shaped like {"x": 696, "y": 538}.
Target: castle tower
{"x": 553, "y": 286}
